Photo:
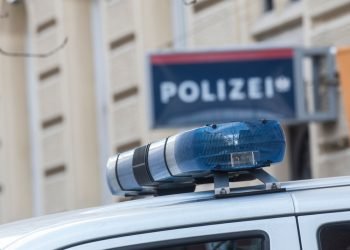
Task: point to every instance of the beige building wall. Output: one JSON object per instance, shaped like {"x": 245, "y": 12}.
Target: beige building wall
{"x": 121, "y": 42}
{"x": 330, "y": 22}
{"x": 15, "y": 182}
{"x": 66, "y": 104}
{"x": 131, "y": 29}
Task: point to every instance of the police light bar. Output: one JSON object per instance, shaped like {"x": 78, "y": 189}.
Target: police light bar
{"x": 197, "y": 153}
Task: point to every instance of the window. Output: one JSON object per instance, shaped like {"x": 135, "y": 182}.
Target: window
{"x": 249, "y": 240}
{"x": 254, "y": 240}
{"x": 238, "y": 244}
{"x": 268, "y": 5}
{"x": 335, "y": 236}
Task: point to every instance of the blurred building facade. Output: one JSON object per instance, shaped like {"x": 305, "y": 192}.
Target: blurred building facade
{"x": 64, "y": 114}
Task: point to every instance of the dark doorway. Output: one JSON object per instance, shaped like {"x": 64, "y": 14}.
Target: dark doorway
{"x": 299, "y": 148}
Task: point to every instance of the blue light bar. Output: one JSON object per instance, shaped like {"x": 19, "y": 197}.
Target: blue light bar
{"x": 225, "y": 147}
{"x": 230, "y": 147}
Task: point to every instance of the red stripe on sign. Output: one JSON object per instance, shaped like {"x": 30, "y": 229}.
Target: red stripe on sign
{"x": 207, "y": 57}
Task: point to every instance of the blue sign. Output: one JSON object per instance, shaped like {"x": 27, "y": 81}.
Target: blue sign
{"x": 197, "y": 88}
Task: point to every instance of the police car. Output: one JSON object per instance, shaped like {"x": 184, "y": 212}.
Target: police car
{"x": 307, "y": 214}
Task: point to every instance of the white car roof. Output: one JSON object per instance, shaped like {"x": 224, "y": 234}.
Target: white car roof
{"x": 165, "y": 212}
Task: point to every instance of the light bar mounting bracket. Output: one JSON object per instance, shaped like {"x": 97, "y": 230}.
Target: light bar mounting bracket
{"x": 222, "y": 183}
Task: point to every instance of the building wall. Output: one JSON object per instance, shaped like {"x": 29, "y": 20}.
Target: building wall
{"x": 60, "y": 165}
{"x": 329, "y": 26}
{"x": 15, "y": 182}
{"x": 131, "y": 29}
{"x": 66, "y": 104}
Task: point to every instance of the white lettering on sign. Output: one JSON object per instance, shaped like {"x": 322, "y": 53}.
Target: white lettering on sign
{"x": 236, "y": 92}
{"x": 221, "y": 89}
{"x": 189, "y": 91}
{"x": 254, "y": 88}
{"x": 206, "y": 95}
{"x": 167, "y": 90}
{"x": 234, "y": 89}
{"x": 269, "y": 91}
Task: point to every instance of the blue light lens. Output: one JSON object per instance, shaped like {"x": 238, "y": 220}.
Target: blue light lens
{"x": 225, "y": 147}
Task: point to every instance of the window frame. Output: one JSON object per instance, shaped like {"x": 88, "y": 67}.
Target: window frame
{"x": 205, "y": 239}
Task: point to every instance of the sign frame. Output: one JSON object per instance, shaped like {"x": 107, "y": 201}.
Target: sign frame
{"x": 305, "y": 112}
